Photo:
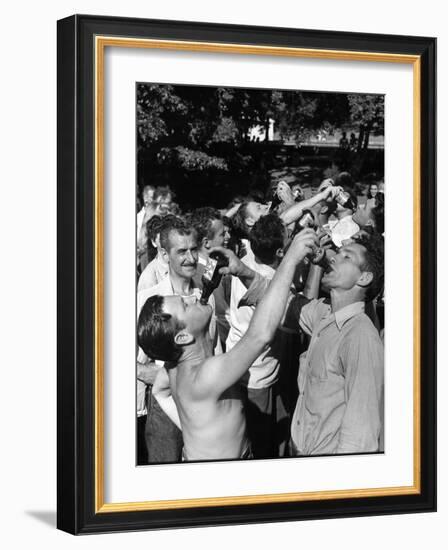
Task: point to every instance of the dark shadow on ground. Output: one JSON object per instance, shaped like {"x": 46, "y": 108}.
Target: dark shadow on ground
{"x": 44, "y": 516}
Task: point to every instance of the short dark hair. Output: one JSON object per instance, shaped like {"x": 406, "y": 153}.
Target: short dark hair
{"x": 156, "y": 331}
{"x": 201, "y": 219}
{"x": 266, "y": 237}
{"x": 239, "y": 222}
{"x": 345, "y": 180}
{"x": 173, "y": 224}
{"x": 154, "y": 226}
{"x": 374, "y": 262}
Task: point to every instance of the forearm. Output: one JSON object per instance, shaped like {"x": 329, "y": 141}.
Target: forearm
{"x": 246, "y": 275}
{"x": 270, "y": 310}
{"x": 312, "y": 285}
{"x": 294, "y": 212}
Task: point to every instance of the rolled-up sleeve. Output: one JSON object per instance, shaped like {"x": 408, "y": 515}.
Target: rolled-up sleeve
{"x": 311, "y": 314}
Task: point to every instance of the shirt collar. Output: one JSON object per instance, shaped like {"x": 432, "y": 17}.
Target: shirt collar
{"x": 343, "y": 315}
{"x": 202, "y": 260}
{"x": 169, "y": 286}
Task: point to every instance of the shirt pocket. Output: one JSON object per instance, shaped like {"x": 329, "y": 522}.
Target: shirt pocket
{"x": 325, "y": 366}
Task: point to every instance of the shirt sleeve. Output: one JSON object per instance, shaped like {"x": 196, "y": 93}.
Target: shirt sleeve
{"x": 292, "y": 317}
{"x": 362, "y": 356}
{"x": 310, "y": 314}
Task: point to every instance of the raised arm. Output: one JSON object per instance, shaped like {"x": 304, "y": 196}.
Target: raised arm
{"x": 293, "y": 213}
{"x": 221, "y": 372}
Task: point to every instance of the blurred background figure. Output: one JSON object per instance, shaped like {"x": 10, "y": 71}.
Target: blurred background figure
{"x": 163, "y": 198}
{"x": 372, "y": 191}
{"x": 143, "y": 216}
{"x": 297, "y": 192}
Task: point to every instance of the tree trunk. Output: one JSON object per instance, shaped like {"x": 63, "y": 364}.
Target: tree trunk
{"x": 360, "y": 139}
{"x": 365, "y": 145}
{"x": 266, "y": 129}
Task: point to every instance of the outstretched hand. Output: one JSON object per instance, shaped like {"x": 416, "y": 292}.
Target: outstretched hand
{"x": 235, "y": 267}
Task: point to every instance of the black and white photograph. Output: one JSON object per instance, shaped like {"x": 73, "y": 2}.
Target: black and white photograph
{"x": 260, "y": 273}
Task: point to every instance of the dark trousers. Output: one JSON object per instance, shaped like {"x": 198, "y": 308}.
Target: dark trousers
{"x": 142, "y": 453}
{"x": 267, "y": 422}
{"x": 163, "y": 438}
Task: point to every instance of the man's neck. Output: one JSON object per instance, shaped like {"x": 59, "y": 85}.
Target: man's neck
{"x": 181, "y": 285}
{"x": 196, "y": 353}
{"x": 341, "y": 299}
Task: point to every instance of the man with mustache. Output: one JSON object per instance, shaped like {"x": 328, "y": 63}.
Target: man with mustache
{"x": 163, "y": 436}
{"x": 205, "y": 387}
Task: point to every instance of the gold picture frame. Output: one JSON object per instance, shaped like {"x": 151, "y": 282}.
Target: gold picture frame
{"x": 80, "y": 36}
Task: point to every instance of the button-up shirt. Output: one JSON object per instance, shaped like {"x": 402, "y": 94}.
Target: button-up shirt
{"x": 341, "y": 381}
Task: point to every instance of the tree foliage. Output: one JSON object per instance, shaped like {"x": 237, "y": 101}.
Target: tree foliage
{"x": 367, "y": 114}
{"x": 201, "y": 135}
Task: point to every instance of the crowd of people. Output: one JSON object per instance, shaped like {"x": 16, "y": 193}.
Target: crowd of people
{"x": 285, "y": 358}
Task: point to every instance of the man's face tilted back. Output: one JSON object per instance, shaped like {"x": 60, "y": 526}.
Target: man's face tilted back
{"x": 218, "y": 232}
{"x": 346, "y": 268}
{"x": 194, "y": 316}
{"x": 182, "y": 254}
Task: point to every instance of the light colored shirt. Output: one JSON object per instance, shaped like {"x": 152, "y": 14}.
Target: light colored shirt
{"x": 341, "y": 382}
{"x": 140, "y": 218}
{"x": 264, "y": 370}
{"x": 343, "y": 229}
{"x": 221, "y": 295}
{"x": 153, "y": 274}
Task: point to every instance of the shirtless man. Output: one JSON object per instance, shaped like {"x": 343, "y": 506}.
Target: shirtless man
{"x": 204, "y": 386}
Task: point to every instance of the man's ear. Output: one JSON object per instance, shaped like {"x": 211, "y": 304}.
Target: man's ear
{"x": 279, "y": 253}
{"x": 205, "y": 243}
{"x": 365, "y": 279}
{"x": 165, "y": 255}
{"x": 183, "y": 338}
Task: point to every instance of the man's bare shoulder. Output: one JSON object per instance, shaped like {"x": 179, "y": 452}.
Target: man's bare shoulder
{"x": 191, "y": 382}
